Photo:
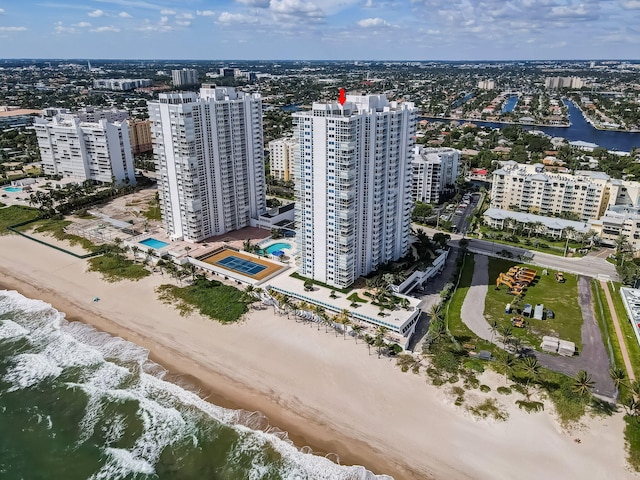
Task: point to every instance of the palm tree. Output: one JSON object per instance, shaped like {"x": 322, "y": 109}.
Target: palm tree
{"x": 379, "y": 343}
{"x": 135, "y": 249}
{"x": 494, "y": 327}
{"x": 435, "y": 312}
{"x": 344, "y": 321}
{"x": 516, "y": 343}
{"x": 508, "y": 362}
{"x": 357, "y": 328}
{"x": 530, "y": 367}
{"x": 369, "y": 341}
{"x": 618, "y": 376}
{"x": 507, "y": 333}
{"x": 631, "y": 406}
{"x": 582, "y": 384}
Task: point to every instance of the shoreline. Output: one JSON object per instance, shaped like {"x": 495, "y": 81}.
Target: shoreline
{"x": 323, "y": 390}
{"x": 216, "y": 388}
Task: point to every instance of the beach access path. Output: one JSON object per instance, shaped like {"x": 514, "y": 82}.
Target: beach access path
{"x": 326, "y": 391}
{"x": 616, "y": 325}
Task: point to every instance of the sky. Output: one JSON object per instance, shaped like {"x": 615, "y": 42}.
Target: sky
{"x": 321, "y": 29}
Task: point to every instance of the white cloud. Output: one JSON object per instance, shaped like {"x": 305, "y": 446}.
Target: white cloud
{"x": 631, "y": 4}
{"x": 124, "y": 15}
{"x": 205, "y": 13}
{"x": 106, "y": 29}
{"x": 183, "y": 23}
{"x": 13, "y": 29}
{"x": 296, "y": 8}
{"x": 96, "y": 13}
{"x": 82, "y": 24}
{"x": 1, "y": 11}
{"x": 255, "y": 3}
{"x": 229, "y": 18}
{"x": 185, "y": 16}
{"x": 60, "y": 28}
{"x": 167, "y": 12}
{"x": 368, "y": 4}
{"x": 373, "y": 22}
{"x": 161, "y": 26}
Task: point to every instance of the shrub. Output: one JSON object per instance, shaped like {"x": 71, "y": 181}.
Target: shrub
{"x": 485, "y": 388}
{"x": 530, "y": 406}
{"x": 489, "y": 408}
{"x": 504, "y": 390}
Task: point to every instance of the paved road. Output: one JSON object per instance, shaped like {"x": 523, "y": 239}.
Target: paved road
{"x": 593, "y": 358}
{"x": 590, "y": 265}
{"x": 472, "y": 312}
{"x": 430, "y": 297}
{"x": 616, "y": 325}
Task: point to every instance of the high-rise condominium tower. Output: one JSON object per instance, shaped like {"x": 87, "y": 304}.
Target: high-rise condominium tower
{"x": 208, "y": 151}
{"x": 98, "y": 151}
{"x": 352, "y": 175}
{"x": 186, "y": 76}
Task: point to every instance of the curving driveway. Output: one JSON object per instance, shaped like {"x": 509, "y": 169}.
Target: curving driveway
{"x": 593, "y": 357}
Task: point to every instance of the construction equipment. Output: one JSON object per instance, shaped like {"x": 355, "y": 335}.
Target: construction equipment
{"x": 518, "y": 322}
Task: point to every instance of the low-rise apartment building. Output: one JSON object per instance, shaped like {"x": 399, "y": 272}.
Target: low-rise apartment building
{"x": 528, "y": 188}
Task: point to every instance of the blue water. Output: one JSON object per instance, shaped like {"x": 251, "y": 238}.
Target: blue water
{"x": 291, "y": 108}
{"x": 78, "y": 404}
{"x": 510, "y": 104}
{"x": 13, "y": 189}
{"x": 153, "y": 243}
{"x": 277, "y": 246}
{"x": 462, "y": 100}
{"x": 580, "y": 129}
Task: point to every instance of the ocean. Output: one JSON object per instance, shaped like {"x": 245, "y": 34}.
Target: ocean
{"x": 76, "y": 403}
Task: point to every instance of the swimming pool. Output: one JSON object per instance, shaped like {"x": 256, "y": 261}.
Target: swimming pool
{"x": 274, "y": 247}
{"x": 153, "y": 243}
{"x": 12, "y": 189}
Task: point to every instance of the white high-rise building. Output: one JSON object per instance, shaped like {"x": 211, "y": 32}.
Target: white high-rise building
{"x": 208, "y": 151}
{"x": 96, "y": 151}
{"x": 352, "y": 175}
{"x": 281, "y": 154}
{"x": 434, "y": 170}
{"x": 186, "y": 76}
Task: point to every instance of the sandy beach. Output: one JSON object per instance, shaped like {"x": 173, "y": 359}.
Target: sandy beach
{"x": 326, "y": 391}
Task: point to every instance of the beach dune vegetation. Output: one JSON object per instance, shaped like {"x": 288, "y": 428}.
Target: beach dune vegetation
{"x": 114, "y": 266}
{"x": 211, "y": 298}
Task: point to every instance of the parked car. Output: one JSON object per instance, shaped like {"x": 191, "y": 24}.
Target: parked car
{"x": 550, "y": 313}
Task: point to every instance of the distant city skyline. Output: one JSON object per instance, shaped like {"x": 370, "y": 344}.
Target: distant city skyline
{"x": 321, "y": 29}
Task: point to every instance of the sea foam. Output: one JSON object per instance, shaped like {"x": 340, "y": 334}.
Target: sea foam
{"x": 114, "y": 370}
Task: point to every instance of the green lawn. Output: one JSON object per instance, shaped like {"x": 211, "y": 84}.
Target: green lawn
{"x": 15, "y": 214}
{"x": 562, "y": 298}
{"x": 555, "y": 247}
{"x": 605, "y": 322}
{"x": 627, "y": 329}
{"x": 153, "y": 212}
{"x": 211, "y": 298}
{"x": 632, "y": 436}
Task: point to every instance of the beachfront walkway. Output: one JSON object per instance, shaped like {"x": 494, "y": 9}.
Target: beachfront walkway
{"x": 593, "y": 357}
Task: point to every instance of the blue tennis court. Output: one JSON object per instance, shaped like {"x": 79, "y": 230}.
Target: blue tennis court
{"x": 246, "y": 267}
